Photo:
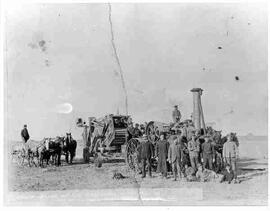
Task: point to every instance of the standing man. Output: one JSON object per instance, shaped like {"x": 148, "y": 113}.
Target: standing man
{"x": 208, "y": 153}
{"x": 142, "y": 129}
{"x": 146, "y": 152}
{"x": 162, "y": 153}
{"x": 174, "y": 157}
{"x": 130, "y": 130}
{"x": 176, "y": 114}
{"x": 230, "y": 155}
{"x": 193, "y": 149}
{"x": 190, "y": 130}
{"x": 184, "y": 153}
{"x": 25, "y": 134}
{"x": 137, "y": 132}
{"x": 184, "y": 130}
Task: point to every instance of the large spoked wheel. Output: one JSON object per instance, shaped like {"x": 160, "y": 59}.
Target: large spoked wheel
{"x": 132, "y": 154}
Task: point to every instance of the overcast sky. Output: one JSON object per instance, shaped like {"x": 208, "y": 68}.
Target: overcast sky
{"x": 61, "y": 54}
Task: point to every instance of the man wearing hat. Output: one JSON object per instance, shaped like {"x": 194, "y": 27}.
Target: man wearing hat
{"x": 208, "y": 152}
{"x": 25, "y": 134}
{"x": 162, "y": 153}
{"x": 190, "y": 130}
{"x": 193, "y": 150}
{"x": 176, "y": 114}
{"x": 137, "y": 132}
{"x": 174, "y": 157}
{"x": 130, "y": 130}
{"x": 146, "y": 152}
{"x": 230, "y": 154}
{"x": 142, "y": 129}
{"x": 184, "y": 129}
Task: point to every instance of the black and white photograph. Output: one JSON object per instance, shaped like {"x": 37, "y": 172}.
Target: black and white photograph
{"x": 135, "y": 104}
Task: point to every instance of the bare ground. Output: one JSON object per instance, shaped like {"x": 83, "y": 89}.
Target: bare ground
{"x": 85, "y": 184}
{"x": 79, "y": 176}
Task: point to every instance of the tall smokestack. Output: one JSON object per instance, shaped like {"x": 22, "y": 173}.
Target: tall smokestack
{"x": 198, "y": 118}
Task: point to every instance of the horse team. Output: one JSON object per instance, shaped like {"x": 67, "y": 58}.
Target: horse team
{"x": 51, "y": 149}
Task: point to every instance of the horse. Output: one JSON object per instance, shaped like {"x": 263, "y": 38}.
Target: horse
{"x": 42, "y": 153}
{"x": 50, "y": 147}
{"x": 69, "y": 148}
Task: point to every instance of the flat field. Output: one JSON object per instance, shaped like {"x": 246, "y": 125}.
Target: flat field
{"x": 84, "y": 184}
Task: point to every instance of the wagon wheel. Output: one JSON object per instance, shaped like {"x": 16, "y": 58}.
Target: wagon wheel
{"x": 15, "y": 158}
{"x": 151, "y": 132}
{"x": 132, "y": 154}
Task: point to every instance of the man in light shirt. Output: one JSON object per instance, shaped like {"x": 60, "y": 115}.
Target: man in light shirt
{"x": 230, "y": 155}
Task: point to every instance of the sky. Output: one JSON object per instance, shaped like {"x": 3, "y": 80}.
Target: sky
{"x": 60, "y": 64}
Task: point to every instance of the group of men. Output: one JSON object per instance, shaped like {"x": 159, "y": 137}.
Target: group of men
{"x": 137, "y": 131}
{"x": 193, "y": 161}
{"x": 188, "y": 154}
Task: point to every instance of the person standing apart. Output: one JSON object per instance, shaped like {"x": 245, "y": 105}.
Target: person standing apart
{"x": 24, "y": 134}
{"x": 176, "y": 114}
{"x": 25, "y": 137}
{"x": 193, "y": 150}
{"x": 230, "y": 155}
{"x": 162, "y": 153}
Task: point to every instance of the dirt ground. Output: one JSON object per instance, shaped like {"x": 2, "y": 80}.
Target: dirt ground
{"x": 34, "y": 185}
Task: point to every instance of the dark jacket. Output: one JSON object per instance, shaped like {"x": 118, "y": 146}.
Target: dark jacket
{"x": 228, "y": 176}
{"x": 146, "y": 150}
{"x": 25, "y": 134}
{"x": 174, "y": 152}
{"x": 130, "y": 131}
{"x": 208, "y": 149}
{"x": 162, "y": 153}
{"x": 184, "y": 153}
{"x": 137, "y": 133}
